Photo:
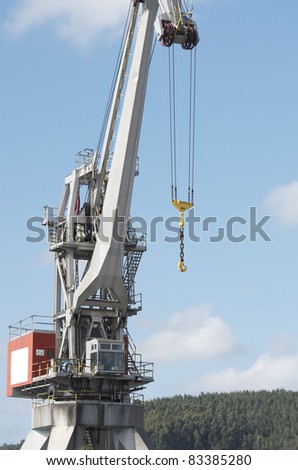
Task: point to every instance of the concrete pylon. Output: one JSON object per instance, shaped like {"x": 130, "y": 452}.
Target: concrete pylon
{"x": 87, "y": 425}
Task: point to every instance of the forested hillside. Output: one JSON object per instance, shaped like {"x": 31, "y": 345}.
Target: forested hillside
{"x": 240, "y": 420}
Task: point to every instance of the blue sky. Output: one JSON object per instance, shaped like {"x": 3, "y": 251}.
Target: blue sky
{"x": 230, "y": 322}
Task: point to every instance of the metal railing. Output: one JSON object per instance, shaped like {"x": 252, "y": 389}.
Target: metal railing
{"x": 29, "y": 324}
{"x": 84, "y": 157}
{"x": 133, "y": 398}
{"x": 49, "y": 367}
{"x": 53, "y": 366}
{"x": 136, "y": 366}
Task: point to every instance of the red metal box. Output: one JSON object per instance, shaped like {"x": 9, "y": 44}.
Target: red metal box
{"x": 27, "y": 354}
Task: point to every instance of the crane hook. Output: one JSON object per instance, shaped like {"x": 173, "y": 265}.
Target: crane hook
{"x": 182, "y": 206}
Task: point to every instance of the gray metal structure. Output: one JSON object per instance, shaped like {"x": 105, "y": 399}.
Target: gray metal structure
{"x": 88, "y": 396}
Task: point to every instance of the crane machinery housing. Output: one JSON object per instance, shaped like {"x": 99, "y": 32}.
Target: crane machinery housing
{"x": 81, "y": 368}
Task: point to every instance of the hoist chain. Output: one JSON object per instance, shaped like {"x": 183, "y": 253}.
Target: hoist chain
{"x": 182, "y": 245}
{"x": 181, "y": 264}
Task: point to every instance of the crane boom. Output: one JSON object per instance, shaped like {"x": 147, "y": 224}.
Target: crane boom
{"x": 106, "y": 264}
{"x": 101, "y": 226}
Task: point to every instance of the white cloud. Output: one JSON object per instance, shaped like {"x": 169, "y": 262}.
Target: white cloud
{"x": 189, "y": 335}
{"x": 282, "y": 201}
{"x": 79, "y": 21}
{"x": 267, "y": 373}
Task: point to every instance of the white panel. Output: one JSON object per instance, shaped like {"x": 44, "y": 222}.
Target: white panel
{"x": 19, "y": 366}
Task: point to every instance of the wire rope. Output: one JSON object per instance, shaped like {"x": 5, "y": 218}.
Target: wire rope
{"x": 174, "y": 159}
{"x": 192, "y": 125}
{"x": 173, "y": 140}
{"x": 194, "y": 104}
{"x": 190, "y": 128}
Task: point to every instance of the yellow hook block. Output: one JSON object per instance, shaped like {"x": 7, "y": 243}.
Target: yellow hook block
{"x": 182, "y": 206}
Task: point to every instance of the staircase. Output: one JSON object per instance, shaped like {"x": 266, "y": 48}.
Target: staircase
{"x": 134, "y": 249}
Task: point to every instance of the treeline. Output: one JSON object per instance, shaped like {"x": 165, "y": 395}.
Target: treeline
{"x": 238, "y": 420}
{"x": 12, "y": 446}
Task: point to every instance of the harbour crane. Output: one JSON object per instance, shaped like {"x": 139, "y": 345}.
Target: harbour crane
{"x": 85, "y": 377}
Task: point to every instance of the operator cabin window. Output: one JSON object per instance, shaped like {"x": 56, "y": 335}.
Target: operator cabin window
{"x": 111, "y": 357}
{"x": 105, "y": 356}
